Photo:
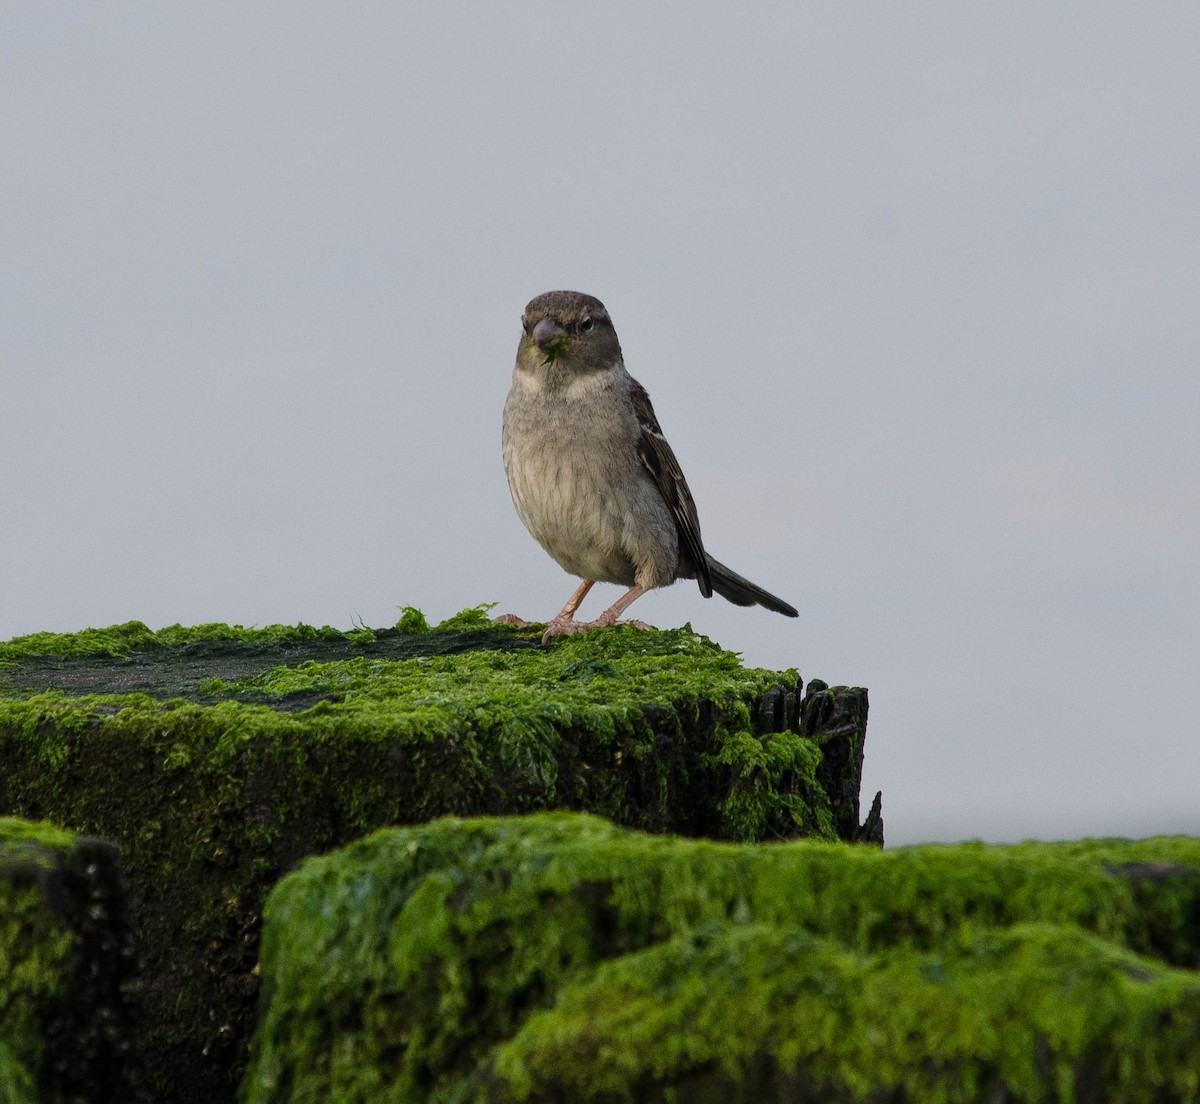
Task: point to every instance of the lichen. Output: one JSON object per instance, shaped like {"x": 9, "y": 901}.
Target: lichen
{"x": 556, "y": 957}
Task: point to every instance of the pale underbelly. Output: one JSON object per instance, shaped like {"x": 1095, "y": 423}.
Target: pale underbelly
{"x": 608, "y": 526}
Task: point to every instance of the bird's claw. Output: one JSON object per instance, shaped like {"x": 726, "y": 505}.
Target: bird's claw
{"x": 568, "y": 626}
{"x": 565, "y": 626}
{"x": 511, "y": 619}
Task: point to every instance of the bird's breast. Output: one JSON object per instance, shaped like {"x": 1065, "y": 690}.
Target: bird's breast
{"x": 579, "y": 487}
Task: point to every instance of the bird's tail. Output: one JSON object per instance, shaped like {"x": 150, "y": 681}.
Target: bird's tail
{"x": 742, "y": 592}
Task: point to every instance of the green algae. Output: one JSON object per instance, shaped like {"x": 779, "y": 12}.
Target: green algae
{"x": 761, "y": 769}
{"x": 65, "y": 961}
{"x": 16, "y": 1082}
{"x": 40, "y": 841}
{"x": 519, "y": 703}
{"x": 556, "y": 957}
{"x": 120, "y": 640}
{"x": 477, "y": 617}
{"x": 36, "y": 952}
{"x": 135, "y": 636}
{"x": 115, "y": 640}
{"x": 604, "y": 684}
{"x": 754, "y": 1013}
{"x": 502, "y": 713}
{"x": 412, "y": 621}
{"x": 233, "y": 753}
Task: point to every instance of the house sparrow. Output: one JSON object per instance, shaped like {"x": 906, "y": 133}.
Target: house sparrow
{"x": 591, "y": 475}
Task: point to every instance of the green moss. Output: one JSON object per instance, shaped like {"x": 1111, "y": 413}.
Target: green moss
{"x": 474, "y": 618}
{"x": 411, "y": 621}
{"x": 521, "y": 702}
{"x": 601, "y": 683}
{"x": 1036, "y": 1012}
{"x": 115, "y": 640}
{"x": 558, "y": 958}
{"x": 23, "y": 836}
{"x": 35, "y": 965}
{"x": 16, "y": 1082}
{"x": 760, "y": 792}
{"x": 240, "y": 754}
{"x": 134, "y": 636}
{"x": 65, "y": 965}
{"x": 36, "y": 951}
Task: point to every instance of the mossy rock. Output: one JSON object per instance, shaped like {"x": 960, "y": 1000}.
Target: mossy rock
{"x": 65, "y": 958}
{"x": 558, "y": 958}
{"x": 218, "y": 757}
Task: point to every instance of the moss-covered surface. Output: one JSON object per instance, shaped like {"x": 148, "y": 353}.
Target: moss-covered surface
{"x": 558, "y": 958}
{"x": 65, "y": 958}
{"x": 35, "y": 952}
{"x": 218, "y": 757}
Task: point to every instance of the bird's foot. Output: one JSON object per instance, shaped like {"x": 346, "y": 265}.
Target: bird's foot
{"x": 567, "y": 626}
{"x": 511, "y": 619}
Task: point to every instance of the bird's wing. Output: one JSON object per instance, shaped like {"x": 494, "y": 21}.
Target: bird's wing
{"x": 660, "y": 462}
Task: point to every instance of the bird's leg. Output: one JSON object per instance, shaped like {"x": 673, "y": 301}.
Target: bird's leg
{"x": 563, "y": 625}
{"x": 565, "y": 618}
{"x": 574, "y": 602}
{"x": 610, "y": 615}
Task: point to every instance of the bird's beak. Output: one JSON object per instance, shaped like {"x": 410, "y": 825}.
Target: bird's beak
{"x": 547, "y": 334}
{"x": 551, "y": 338}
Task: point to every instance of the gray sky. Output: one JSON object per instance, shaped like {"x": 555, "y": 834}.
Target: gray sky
{"x": 914, "y": 289}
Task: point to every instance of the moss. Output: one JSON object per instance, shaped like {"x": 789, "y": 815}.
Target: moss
{"x": 474, "y": 618}
{"x": 16, "y": 1082}
{"x": 230, "y": 754}
{"x": 760, "y": 793}
{"x": 115, "y": 640}
{"x": 558, "y": 958}
{"x": 751, "y": 1013}
{"x": 412, "y": 621}
{"x": 35, "y": 947}
{"x": 64, "y": 958}
{"x": 120, "y": 640}
{"x": 39, "y": 841}
{"x": 503, "y": 715}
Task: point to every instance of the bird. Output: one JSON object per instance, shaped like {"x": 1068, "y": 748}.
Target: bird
{"x": 591, "y": 475}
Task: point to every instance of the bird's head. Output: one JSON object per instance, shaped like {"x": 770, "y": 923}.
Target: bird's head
{"x": 567, "y": 329}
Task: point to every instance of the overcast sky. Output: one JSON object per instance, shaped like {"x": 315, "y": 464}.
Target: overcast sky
{"x": 915, "y": 290}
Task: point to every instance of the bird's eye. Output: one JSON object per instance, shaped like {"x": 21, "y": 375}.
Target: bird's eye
{"x": 585, "y": 323}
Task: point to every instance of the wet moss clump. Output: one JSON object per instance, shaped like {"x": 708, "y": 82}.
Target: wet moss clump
{"x": 218, "y": 757}
{"x": 65, "y": 961}
{"x": 557, "y": 958}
